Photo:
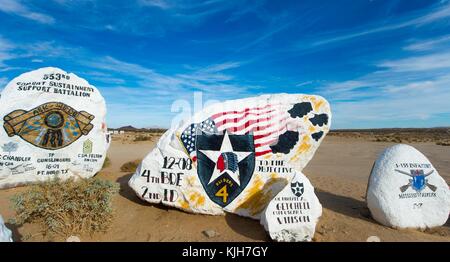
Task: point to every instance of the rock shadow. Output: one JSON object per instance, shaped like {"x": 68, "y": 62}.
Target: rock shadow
{"x": 16, "y": 235}
{"x": 346, "y": 206}
{"x": 255, "y": 204}
{"x": 247, "y": 227}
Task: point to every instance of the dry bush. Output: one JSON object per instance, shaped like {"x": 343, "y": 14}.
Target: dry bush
{"x": 130, "y": 166}
{"x": 67, "y": 207}
{"x": 142, "y": 138}
{"x": 443, "y": 143}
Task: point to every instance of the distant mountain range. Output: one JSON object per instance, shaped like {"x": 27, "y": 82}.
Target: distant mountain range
{"x": 134, "y": 129}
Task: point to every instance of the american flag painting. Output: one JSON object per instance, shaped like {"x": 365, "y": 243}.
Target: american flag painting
{"x": 266, "y": 123}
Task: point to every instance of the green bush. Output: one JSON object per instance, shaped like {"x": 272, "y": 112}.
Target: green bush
{"x": 67, "y": 207}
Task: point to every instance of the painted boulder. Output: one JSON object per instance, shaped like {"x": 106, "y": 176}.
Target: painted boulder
{"x": 5, "y": 233}
{"x": 293, "y": 213}
{"x": 52, "y": 124}
{"x": 234, "y": 156}
{"x": 406, "y": 191}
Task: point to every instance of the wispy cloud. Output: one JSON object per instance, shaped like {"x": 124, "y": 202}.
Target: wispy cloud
{"x": 423, "y": 45}
{"x": 399, "y": 93}
{"x": 439, "y": 60}
{"x": 16, "y": 7}
{"x": 438, "y": 13}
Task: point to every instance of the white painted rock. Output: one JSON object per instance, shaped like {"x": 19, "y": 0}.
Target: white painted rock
{"x": 294, "y": 212}
{"x": 406, "y": 191}
{"x": 5, "y": 233}
{"x": 234, "y": 156}
{"x": 52, "y": 123}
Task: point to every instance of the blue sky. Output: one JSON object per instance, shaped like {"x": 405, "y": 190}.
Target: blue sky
{"x": 379, "y": 63}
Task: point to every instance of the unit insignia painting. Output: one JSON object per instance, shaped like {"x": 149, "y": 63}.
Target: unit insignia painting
{"x": 240, "y": 154}
{"x": 50, "y": 126}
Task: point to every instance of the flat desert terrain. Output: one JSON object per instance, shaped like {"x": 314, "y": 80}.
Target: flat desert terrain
{"x": 339, "y": 171}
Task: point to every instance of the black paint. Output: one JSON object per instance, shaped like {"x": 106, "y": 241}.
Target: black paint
{"x": 300, "y": 109}
{"x": 319, "y": 120}
{"x": 286, "y": 142}
{"x": 317, "y": 136}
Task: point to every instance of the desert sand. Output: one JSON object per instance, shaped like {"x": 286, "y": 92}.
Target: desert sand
{"x": 339, "y": 171}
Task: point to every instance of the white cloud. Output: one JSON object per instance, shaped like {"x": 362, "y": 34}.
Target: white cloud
{"x": 304, "y": 83}
{"x": 16, "y": 7}
{"x": 419, "y": 63}
{"x": 404, "y": 92}
{"x": 439, "y": 13}
{"x": 423, "y": 45}
{"x": 156, "y": 3}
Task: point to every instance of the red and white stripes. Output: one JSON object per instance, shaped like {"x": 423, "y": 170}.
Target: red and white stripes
{"x": 267, "y": 123}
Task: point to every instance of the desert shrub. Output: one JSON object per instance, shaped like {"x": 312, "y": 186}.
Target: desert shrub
{"x": 443, "y": 143}
{"x": 107, "y": 163}
{"x": 67, "y": 207}
{"x": 142, "y": 138}
{"x": 130, "y": 166}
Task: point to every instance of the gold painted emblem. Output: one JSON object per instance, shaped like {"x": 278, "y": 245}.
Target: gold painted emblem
{"x": 50, "y": 126}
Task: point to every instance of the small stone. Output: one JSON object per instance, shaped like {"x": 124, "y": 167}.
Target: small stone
{"x": 406, "y": 191}
{"x": 210, "y": 233}
{"x": 73, "y": 239}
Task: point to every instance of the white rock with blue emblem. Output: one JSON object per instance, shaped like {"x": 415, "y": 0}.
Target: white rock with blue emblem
{"x": 294, "y": 212}
{"x": 5, "y": 233}
{"x": 406, "y": 191}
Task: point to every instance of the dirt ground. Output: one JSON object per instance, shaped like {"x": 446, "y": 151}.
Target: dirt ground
{"x": 339, "y": 171}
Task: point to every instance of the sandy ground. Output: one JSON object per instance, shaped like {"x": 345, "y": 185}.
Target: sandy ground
{"x": 339, "y": 171}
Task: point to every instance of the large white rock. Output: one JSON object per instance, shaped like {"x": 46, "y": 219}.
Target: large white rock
{"x": 52, "y": 123}
{"x": 294, "y": 212}
{"x": 5, "y": 233}
{"x": 406, "y": 191}
{"x": 234, "y": 156}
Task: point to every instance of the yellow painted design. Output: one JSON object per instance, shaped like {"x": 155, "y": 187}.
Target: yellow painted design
{"x": 312, "y": 129}
{"x": 318, "y": 105}
{"x": 197, "y": 199}
{"x": 304, "y": 147}
{"x": 259, "y": 194}
{"x": 310, "y": 98}
{"x": 190, "y": 180}
{"x": 183, "y": 203}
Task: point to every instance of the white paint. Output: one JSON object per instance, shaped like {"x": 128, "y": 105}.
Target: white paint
{"x": 416, "y": 207}
{"x": 185, "y": 186}
{"x": 290, "y": 217}
{"x": 21, "y": 162}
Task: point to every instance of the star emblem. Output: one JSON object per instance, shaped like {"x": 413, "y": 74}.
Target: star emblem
{"x": 226, "y": 149}
{"x": 297, "y": 188}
